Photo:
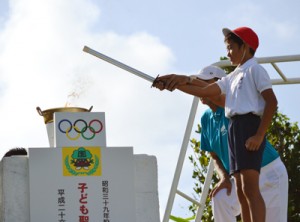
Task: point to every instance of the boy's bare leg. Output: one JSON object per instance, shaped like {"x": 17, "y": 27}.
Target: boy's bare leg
{"x": 250, "y": 188}
{"x": 245, "y": 211}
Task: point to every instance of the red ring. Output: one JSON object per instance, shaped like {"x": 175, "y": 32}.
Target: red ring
{"x": 101, "y": 126}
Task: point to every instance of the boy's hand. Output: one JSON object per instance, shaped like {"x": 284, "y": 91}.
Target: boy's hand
{"x": 170, "y": 82}
{"x": 158, "y": 83}
{"x": 253, "y": 143}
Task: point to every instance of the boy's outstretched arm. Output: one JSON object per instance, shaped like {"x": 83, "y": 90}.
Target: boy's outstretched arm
{"x": 183, "y": 83}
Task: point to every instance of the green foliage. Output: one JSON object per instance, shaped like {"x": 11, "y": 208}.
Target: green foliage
{"x": 179, "y": 219}
{"x": 200, "y": 161}
{"x": 227, "y": 69}
{"x": 285, "y": 137}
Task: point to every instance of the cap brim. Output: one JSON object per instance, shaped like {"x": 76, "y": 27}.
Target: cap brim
{"x": 226, "y": 31}
{"x": 203, "y": 77}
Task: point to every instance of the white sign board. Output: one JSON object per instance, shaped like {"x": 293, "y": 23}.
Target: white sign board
{"x": 79, "y": 129}
{"x": 84, "y": 184}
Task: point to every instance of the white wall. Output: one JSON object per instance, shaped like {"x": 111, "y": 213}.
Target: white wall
{"x": 14, "y": 189}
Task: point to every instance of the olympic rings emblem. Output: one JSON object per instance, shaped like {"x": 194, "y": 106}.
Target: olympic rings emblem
{"x": 81, "y": 127}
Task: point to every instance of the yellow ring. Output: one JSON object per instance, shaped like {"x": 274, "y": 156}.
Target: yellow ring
{"x": 74, "y": 138}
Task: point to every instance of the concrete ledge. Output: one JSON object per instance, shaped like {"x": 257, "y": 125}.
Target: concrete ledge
{"x": 14, "y": 189}
{"x": 146, "y": 189}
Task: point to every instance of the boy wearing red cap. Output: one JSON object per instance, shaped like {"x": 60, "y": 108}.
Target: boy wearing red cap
{"x": 250, "y": 104}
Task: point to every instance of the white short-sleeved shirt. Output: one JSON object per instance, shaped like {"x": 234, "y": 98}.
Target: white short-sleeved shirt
{"x": 243, "y": 88}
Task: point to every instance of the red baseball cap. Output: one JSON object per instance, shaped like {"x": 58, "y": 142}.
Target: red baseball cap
{"x": 246, "y": 34}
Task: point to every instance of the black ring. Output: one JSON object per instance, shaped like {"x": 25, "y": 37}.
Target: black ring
{"x": 83, "y": 129}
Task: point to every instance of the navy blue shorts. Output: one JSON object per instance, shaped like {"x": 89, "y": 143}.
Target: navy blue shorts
{"x": 240, "y": 128}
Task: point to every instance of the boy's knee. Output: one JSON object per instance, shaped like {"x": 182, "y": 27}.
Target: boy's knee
{"x": 250, "y": 191}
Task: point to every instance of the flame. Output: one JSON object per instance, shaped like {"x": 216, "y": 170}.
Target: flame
{"x": 71, "y": 96}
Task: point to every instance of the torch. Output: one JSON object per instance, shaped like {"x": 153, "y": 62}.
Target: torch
{"x": 119, "y": 64}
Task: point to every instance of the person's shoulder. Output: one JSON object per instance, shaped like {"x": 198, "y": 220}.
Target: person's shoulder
{"x": 255, "y": 67}
{"x": 206, "y": 114}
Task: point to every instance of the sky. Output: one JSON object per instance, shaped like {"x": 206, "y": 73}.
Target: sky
{"x": 42, "y": 64}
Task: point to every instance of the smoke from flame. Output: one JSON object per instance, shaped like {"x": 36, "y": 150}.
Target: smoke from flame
{"x": 80, "y": 87}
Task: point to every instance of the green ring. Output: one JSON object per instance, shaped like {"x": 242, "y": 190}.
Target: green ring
{"x": 91, "y": 129}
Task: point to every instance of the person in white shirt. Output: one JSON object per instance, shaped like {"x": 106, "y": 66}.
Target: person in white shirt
{"x": 250, "y": 104}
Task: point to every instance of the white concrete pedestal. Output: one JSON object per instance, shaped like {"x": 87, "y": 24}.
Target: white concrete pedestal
{"x": 14, "y": 189}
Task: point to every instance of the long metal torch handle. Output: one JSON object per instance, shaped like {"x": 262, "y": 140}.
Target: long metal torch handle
{"x": 118, "y": 64}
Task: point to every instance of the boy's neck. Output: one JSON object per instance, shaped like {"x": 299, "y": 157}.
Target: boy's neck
{"x": 245, "y": 59}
